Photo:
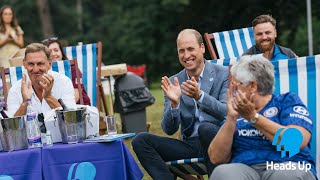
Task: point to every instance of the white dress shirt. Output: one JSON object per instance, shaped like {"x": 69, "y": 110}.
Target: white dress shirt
{"x": 62, "y": 88}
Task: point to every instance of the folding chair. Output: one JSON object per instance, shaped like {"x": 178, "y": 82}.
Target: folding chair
{"x": 16, "y": 73}
{"x": 140, "y": 70}
{"x": 231, "y": 43}
{"x": 301, "y": 76}
{"x": 89, "y": 57}
{"x": 182, "y": 167}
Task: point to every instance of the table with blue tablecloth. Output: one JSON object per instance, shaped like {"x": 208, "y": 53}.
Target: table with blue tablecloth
{"x": 75, "y": 161}
{"x": 21, "y": 165}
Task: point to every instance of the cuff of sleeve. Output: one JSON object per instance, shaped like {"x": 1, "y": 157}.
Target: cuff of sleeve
{"x": 175, "y": 111}
{"x": 201, "y": 98}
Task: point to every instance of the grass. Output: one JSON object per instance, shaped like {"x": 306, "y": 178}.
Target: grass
{"x": 154, "y": 114}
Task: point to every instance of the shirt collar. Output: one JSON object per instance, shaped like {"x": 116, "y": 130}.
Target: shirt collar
{"x": 201, "y": 74}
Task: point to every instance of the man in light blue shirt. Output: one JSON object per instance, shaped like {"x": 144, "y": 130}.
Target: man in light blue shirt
{"x": 195, "y": 101}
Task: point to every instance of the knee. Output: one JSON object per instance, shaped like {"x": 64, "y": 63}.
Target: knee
{"x": 289, "y": 174}
{"x": 207, "y": 129}
{"x": 220, "y": 172}
{"x": 139, "y": 140}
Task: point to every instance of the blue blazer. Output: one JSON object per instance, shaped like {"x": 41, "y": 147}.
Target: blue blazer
{"x": 213, "y": 108}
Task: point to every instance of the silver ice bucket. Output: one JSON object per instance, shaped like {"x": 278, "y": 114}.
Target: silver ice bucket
{"x": 72, "y": 124}
{"x": 13, "y": 134}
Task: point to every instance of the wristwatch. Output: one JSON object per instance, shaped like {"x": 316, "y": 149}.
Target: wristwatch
{"x": 199, "y": 95}
{"x": 254, "y": 119}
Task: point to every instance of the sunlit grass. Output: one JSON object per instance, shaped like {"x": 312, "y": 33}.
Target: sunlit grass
{"x": 154, "y": 114}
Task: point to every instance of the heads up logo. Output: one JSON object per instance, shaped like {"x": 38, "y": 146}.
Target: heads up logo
{"x": 290, "y": 141}
{"x": 5, "y": 177}
{"x": 82, "y": 171}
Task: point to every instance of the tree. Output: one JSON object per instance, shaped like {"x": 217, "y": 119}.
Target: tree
{"x": 45, "y": 17}
{"x": 144, "y": 32}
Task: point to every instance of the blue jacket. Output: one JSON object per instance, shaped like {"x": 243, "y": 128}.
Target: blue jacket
{"x": 213, "y": 107}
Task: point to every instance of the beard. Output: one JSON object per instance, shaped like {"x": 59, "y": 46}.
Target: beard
{"x": 263, "y": 47}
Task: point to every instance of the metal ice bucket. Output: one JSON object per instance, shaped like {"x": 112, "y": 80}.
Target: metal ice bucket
{"x": 72, "y": 119}
{"x": 13, "y": 133}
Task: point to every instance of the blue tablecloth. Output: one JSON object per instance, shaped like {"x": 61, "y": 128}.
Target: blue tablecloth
{"x": 71, "y": 161}
{"x": 21, "y": 165}
{"x": 89, "y": 161}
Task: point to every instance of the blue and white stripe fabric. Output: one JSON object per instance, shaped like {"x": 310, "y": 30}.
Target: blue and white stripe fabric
{"x": 63, "y": 67}
{"x": 87, "y": 63}
{"x": 233, "y": 43}
{"x": 301, "y": 76}
{"x": 194, "y": 166}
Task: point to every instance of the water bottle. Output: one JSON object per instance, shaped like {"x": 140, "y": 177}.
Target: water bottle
{"x": 33, "y": 130}
{"x": 49, "y": 138}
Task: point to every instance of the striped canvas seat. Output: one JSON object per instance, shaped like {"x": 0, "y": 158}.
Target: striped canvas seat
{"x": 301, "y": 76}
{"x": 88, "y": 62}
{"x": 194, "y": 166}
{"x": 229, "y": 44}
{"x": 63, "y": 67}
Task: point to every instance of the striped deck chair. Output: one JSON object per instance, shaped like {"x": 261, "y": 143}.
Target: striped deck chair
{"x": 89, "y": 57}
{"x": 229, "y": 44}
{"x": 301, "y": 76}
{"x": 16, "y": 73}
{"x": 182, "y": 167}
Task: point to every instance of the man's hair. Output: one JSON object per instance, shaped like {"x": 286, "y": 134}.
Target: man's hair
{"x": 197, "y": 35}
{"x": 37, "y": 47}
{"x": 264, "y": 19}
{"x": 255, "y": 68}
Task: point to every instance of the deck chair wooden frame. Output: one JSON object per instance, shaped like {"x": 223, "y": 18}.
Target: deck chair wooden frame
{"x": 229, "y": 44}
{"x": 193, "y": 166}
{"x": 73, "y": 63}
{"x": 98, "y": 86}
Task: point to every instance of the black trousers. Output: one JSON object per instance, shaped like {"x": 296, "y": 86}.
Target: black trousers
{"x": 153, "y": 151}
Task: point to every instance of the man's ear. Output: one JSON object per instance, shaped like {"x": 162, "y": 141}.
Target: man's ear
{"x": 24, "y": 63}
{"x": 203, "y": 48}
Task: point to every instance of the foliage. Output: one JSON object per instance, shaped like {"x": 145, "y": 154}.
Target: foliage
{"x": 139, "y": 31}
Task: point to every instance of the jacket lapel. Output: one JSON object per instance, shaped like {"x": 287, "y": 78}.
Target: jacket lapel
{"x": 208, "y": 77}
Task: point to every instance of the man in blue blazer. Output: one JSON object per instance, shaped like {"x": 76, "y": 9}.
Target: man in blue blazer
{"x": 195, "y": 101}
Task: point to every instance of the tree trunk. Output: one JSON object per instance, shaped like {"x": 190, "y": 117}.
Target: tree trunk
{"x": 45, "y": 18}
{"x": 79, "y": 13}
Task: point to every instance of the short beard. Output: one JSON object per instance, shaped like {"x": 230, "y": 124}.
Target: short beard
{"x": 265, "y": 48}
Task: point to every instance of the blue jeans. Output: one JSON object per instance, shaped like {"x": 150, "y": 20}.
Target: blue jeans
{"x": 153, "y": 151}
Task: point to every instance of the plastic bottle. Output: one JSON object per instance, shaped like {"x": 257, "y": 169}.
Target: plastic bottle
{"x": 33, "y": 130}
{"x": 49, "y": 138}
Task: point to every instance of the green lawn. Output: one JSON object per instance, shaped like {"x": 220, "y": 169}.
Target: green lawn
{"x": 154, "y": 114}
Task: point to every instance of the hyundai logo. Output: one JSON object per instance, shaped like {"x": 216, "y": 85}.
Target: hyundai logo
{"x": 301, "y": 110}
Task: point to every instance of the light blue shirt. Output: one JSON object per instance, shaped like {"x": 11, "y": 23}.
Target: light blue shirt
{"x": 199, "y": 118}
{"x": 277, "y": 54}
